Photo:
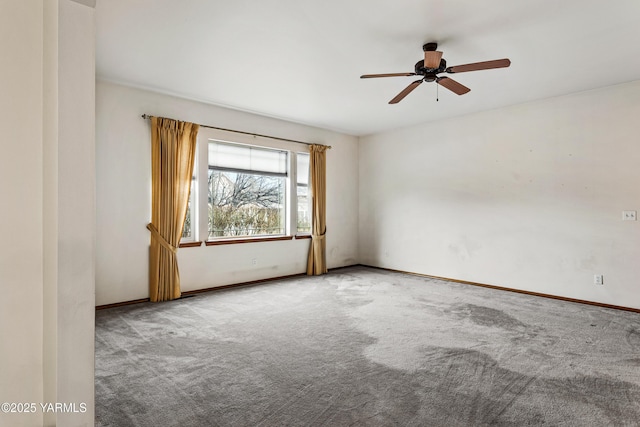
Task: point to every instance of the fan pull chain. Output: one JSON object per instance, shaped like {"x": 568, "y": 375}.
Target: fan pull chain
{"x": 437, "y": 92}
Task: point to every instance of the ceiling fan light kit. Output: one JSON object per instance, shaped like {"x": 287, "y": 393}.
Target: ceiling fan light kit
{"x": 432, "y": 65}
{"x": 432, "y": 57}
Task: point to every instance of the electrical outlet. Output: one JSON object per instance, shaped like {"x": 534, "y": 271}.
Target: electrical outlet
{"x": 598, "y": 279}
{"x": 254, "y": 261}
{"x": 629, "y": 215}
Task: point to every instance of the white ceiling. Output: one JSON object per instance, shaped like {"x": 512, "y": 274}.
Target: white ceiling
{"x": 300, "y": 60}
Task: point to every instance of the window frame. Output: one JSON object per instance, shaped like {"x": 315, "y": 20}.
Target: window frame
{"x": 202, "y": 168}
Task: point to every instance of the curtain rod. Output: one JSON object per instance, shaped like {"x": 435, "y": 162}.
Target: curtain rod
{"x": 147, "y": 116}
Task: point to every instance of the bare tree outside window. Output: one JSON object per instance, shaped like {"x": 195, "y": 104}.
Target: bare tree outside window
{"x": 245, "y": 204}
{"x": 189, "y": 229}
{"x": 186, "y": 230}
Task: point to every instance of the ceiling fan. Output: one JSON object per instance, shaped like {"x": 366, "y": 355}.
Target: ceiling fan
{"x": 432, "y": 65}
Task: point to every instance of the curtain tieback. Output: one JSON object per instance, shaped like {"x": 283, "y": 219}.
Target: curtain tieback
{"x": 318, "y": 236}
{"x": 156, "y": 235}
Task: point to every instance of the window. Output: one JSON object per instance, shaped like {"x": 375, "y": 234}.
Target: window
{"x": 247, "y": 189}
{"x": 189, "y": 231}
{"x": 302, "y": 191}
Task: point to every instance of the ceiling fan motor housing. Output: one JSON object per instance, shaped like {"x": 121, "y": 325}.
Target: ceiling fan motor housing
{"x": 430, "y": 47}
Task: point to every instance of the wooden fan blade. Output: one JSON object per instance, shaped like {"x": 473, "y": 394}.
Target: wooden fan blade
{"x": 371, "y": 76}
{"x": 432, "y": 59}
{"x": 452, "y": 85}
{"x": 406, "y": 91}
{"x": 476, "y": 66}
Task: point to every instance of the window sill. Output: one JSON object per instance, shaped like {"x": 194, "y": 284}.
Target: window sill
{"x": 190, "y": 244}
{"x": 246, "y": 240}
{"x": 303, "y": 236}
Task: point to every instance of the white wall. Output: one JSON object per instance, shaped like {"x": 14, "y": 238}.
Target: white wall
{"x": 123, "y": 198}
{"x": 50, "y": 205}
{"x": 47, "y": 82}
{"x": 76, "y": 211}
{"x": 527, "y": 197}
{"x": 21, "y": 227}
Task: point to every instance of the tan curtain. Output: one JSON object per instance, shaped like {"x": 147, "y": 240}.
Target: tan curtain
{"x": 317, "y": 262}
{"x": 173, "y": 149}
